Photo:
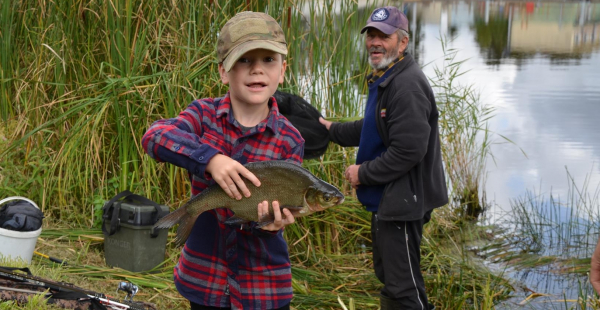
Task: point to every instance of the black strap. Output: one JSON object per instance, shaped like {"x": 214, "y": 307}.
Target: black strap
{"x": 24, "y": 269}
{"x": 112, "y": 210}
{"x": 113, "y": 207}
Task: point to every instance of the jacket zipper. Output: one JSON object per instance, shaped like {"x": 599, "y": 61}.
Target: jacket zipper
{"x": 412, "y": 188}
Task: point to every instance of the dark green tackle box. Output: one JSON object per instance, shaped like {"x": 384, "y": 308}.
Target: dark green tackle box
{"x": 131, "y": 243}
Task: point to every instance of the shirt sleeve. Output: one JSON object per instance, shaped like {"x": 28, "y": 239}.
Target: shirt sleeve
{"x": 180, "y": 140}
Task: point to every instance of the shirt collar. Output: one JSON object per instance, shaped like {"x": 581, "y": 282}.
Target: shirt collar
{"x": 224, "y": 106}
{"x": 375, "y": 75}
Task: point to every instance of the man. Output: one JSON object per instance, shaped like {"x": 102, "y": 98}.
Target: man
{"x": 398, "y": 173}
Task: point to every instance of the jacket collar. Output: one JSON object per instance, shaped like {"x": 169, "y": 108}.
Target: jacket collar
{"x": 375, "y": 75}
{"x": 399, "y": 67}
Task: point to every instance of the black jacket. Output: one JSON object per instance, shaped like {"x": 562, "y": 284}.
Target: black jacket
{"x": 412, "y": 164}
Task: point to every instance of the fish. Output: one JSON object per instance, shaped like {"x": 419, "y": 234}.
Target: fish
{"x": 294, "y": 187}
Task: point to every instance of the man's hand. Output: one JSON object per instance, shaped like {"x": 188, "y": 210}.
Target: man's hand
{"x": 595, "y": 269}
{"x": 279, "y": 222}
{"x": 351, "y": 175}
{"x": 325, "y": 122}
{"x": 226, "y": 172}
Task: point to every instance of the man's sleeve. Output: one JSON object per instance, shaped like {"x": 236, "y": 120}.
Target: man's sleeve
{"x": 346, "y": 134}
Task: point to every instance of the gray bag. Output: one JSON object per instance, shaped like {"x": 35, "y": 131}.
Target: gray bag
{"x": 20, "y": 215}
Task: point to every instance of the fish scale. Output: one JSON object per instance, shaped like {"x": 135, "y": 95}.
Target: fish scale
{"x": 291, "y": 185}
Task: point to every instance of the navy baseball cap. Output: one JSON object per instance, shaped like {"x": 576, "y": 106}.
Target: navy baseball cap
{"x": 387, "y": 19}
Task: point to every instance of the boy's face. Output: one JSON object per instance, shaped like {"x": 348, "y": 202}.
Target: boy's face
{"x": 254, "y": 77}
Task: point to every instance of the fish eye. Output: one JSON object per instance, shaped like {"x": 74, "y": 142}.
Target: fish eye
{"x": 327, "y": 197}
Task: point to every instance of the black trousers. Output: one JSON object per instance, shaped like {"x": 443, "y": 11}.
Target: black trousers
{"x": 200, "y": 307}
{"x": 397, "y": 258}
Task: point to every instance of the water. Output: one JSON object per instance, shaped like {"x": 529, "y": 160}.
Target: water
{"x": 538, "y": 64}
{"x": 542, "y": 75}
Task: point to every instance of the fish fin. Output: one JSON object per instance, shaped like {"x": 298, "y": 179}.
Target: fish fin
{"x": 293, "y": 208}
{"x": 265, "y": 220}
{"x": 262, "y": 224}
{"x": 235, "y": 220}
{"x": 268, "y": 218}
{"x": 185, "y": 229}
{"x": 171, "y": 219}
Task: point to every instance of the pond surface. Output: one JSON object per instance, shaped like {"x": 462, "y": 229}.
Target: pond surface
{"x": 538, "y": 64}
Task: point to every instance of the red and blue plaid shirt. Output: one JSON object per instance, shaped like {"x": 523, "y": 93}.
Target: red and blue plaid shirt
{"x": 222, "y": 265}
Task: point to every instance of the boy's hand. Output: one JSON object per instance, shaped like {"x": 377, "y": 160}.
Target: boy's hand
{"x": 325, "y": 122}
{"x": 279, "y": 222}
{"x": 226, "y": 172}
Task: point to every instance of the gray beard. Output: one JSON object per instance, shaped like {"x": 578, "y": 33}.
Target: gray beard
{"x": 386, "y": 61}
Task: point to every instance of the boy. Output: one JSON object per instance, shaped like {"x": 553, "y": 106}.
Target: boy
{"x": 223, "y": 266}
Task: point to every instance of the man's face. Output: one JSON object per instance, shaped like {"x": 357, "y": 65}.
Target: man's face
{"x": 383, "y": 48}
{"x": 254, "y": 77}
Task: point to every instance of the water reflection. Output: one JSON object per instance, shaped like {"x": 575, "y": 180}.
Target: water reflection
{"x": 515, "y": 30}
{"x": 538, "y": 64}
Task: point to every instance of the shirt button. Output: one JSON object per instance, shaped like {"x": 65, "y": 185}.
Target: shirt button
{"x": 201, "y": 158}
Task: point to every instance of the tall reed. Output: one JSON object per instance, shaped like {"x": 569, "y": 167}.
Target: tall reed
{"x": 465, "y": 136}
{"x": 556, "y": 226}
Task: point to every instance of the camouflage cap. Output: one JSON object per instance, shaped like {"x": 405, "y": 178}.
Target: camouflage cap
{"x": 247, "y": 31}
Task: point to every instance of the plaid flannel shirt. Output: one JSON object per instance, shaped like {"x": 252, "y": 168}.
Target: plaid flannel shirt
{"x": 222, "y": 265}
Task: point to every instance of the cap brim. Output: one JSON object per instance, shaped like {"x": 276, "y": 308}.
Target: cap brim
{"x": 241, "y": 49}
{"x": 383, "y": 27}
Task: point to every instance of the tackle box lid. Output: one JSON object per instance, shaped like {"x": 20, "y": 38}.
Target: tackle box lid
{"x": 140, "y": 215}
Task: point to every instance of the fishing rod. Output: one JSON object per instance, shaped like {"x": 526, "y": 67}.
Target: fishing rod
{"x": 52, "y": 259}
{"x": 61, "y": 287}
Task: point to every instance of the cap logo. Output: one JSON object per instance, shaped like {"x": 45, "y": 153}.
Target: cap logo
{"x": 249, "y": 26}
{"x": 380, "y": 15}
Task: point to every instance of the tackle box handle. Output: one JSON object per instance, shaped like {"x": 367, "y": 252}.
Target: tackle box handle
{"x": 113, "y": 206}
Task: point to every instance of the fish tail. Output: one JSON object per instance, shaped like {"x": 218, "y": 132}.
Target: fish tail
{"x": 171, "y": 219}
